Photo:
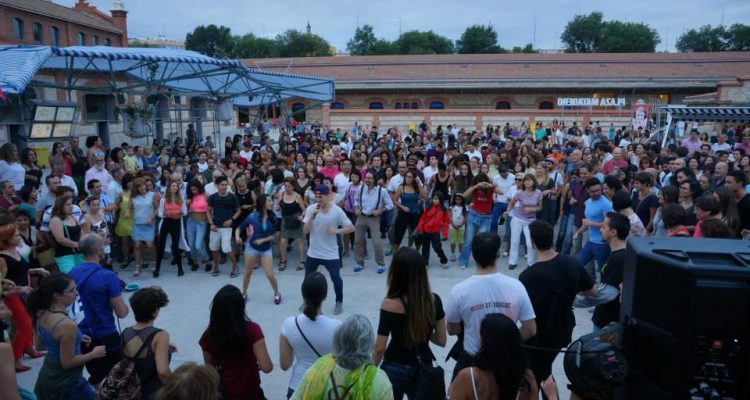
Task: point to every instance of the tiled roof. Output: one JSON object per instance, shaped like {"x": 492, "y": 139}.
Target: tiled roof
{"x": 58, "y": 11}
{"x": 615, "y": 70}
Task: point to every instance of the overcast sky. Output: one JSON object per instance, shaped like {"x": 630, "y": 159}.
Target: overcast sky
{"x": 336, "y": 20}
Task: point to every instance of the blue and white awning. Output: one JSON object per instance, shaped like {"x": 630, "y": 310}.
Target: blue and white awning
{"x": 727, "y": 114}
{"x": 144, "y": 70}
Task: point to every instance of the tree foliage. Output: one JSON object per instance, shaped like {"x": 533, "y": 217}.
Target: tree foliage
{"x": 478, "y": 39}
{"x": 627, "y": 37}
{"x": 591, "y": 34}
{"x": 211, "y": 40}
{"x": 583, "y": 33}
{"x": 416, "y": 42}
{"x": 719, "y": 38}
{"x": 363, "y": 43}
{"x": 251, "y": 46}
{"x": 528, "y": 49}
{"x": 294, "y": 43}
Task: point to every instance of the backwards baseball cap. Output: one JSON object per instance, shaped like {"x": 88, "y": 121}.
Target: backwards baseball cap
{"x": 321, "y": 189}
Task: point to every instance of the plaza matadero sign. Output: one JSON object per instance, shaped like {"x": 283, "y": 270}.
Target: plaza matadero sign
{"x": 591, "y": 101}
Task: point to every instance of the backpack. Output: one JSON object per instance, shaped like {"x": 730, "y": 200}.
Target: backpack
{"x": 123, "y": 382}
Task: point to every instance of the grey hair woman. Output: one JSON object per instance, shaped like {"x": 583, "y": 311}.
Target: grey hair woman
{"x": 348, "y": 366}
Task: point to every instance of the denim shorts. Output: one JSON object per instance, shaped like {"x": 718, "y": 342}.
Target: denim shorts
{"x": 249, "y": 251}
{"x": 144, "y": 232}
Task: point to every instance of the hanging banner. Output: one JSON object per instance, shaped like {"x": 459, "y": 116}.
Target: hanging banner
{"x": 640, "y": 116}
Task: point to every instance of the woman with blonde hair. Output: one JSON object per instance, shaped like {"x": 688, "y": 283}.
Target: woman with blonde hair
{"x": 144, "y": 205}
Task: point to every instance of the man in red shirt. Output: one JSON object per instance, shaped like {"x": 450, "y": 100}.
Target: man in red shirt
{"x": 617, "y": 161}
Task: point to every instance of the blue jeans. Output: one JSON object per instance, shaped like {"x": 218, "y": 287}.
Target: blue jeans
{"x": 403, "y": 378}
{"x": 475, "y": 223}
{"x": 497, "y": 210}
{"x": 594, "y": 251}
{"x": 196, "y": 238}
{"x": 334, "y": 269}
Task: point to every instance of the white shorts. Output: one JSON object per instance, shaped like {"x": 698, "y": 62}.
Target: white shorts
{"x": 222, "y": 238}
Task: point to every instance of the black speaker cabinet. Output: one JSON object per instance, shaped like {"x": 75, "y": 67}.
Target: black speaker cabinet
{"x": 686, "y": 309}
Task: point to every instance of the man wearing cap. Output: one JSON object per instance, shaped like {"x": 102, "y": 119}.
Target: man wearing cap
{"x": 98, "y": 172}
{"x": 322, "y": 222}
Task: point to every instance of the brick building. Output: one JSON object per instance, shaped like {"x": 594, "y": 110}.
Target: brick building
{"x": 476, "y": 90}
{"x": 43, "y": 22}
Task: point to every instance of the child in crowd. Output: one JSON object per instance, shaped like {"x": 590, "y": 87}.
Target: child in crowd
{"x": 458, "y": 222}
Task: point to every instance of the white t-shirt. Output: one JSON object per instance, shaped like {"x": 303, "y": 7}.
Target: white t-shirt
{"x": 341, "y": 180}
{"x": 395, "y": 182}
{"x": 475, "y": 153}
{"x": 15, "y": 173}
{"x": 457, "y": 215}
{"x": 318, "y": 332}
{"x": 323, "y": 245}
{"x": 428, "y": 172}
{"x": 202, "y": 166}
{"x": 246, "y": 154}
{"x": 471, "y": 300}
{"x": 504, "y": 184}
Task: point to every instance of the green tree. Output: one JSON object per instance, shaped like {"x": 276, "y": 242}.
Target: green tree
{"x": 478, "y": 39}
{"x": 528, "y": 49}
{"x": 706, "y": 38}
{"x": 138, "y": 43}
{"x": 363, "y": 42}
{"x": 294, "y": 43}
{"x": 738, "y": 37}
{"x": 251, "y": 46}
{"x": 627, "y": 37}
{"x": 583, "y": 33}
{"x": 416, "y": 42}
{"x": 211, "y": 40}
{"x": 383, "y": 47}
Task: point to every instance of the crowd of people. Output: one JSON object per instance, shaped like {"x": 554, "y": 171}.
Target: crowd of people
{"x": 574, "y": 195}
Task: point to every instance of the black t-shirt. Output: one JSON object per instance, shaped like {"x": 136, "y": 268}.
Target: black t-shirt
{"x": 643, "y": 207}
{"x": 393, "y": 324}
{"x": 552, "y": 286}
{"x": 743, "y": 208}
{"x": 612, "y": 272}
{"x": 224, "y": 207}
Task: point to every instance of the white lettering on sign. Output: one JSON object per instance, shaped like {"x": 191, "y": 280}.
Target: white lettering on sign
{"x": 591, "y": 101}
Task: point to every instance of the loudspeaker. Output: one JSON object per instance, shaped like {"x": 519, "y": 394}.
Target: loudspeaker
{"x": 686, "y": 312}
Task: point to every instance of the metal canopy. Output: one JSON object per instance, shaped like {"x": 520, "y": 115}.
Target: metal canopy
{"x": 150, "y": 70}
{"x": 728, "y": 114}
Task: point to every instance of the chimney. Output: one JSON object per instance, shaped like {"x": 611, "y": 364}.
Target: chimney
{"x": 120, "y": 19}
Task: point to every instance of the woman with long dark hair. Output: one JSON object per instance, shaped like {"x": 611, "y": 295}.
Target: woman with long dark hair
{"x": 408, "y": 196}
{"x": 144, "y": 205}
{"x": 61, "y": 376}
{"x": 412, "y": 316}
{"x": 501, "y": 371}
{"x": 197, "y": 225}
{"x": 316, "y": 328}
{"x": 728, "y": 207}
{"x": 235, "y": 346}
{"x": 29, "y": 161}
{"x": 479, "y": 215}
{"x": 261, "y": 227}
{"x": 667, "y": 195}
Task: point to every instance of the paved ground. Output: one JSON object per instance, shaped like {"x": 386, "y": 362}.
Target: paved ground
{"x": 187, "y": 314}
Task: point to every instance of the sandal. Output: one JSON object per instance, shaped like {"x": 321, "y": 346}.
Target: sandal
{"x": 137, "y": 272}
{"x": 301, "y": 266}
{"x": 282, "y": 265}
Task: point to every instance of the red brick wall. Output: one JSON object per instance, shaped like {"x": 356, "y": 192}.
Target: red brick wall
{"x": 68, "y": 30}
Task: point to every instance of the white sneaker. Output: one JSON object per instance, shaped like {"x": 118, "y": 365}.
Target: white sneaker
{"x": 444, "y": 266}
{"x": 452, "y": 257}
{"x": 338, "y": 308}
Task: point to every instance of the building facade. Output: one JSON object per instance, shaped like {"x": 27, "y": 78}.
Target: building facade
{"x": 42, "y": 22}
{"x": 473, "y": 91}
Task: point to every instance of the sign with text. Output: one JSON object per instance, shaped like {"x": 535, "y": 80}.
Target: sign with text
{"x": 591, "y": 101}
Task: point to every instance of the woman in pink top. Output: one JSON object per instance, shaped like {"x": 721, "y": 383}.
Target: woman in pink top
{"x": 197, "y": 225}
{"x": 528, "y": 202}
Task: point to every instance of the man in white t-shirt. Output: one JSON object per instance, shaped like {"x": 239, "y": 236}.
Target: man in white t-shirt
{"x": 472, "y": 152}
{"x": 502, "y": 182}
{"x": 432, "y": 169}
{"x": 202, "y": 164}
{"x": 323, "y": 221}
{"x": 341, "y": 180}
{"x": 246, "y": 151}
{"x": 486, "y": 292}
